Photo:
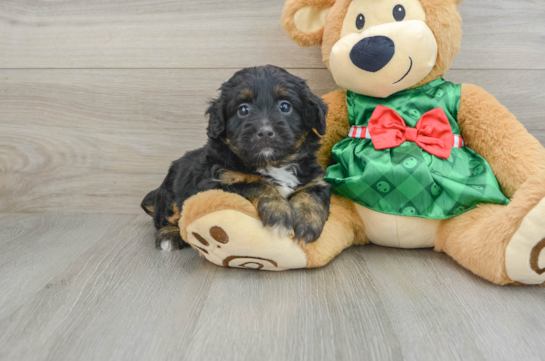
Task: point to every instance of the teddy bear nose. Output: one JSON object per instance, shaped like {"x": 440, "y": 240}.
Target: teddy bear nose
{"x": 373, "y": 53}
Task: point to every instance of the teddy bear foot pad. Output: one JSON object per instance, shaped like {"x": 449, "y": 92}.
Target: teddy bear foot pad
{"x": 525, "y": 254}
{"x": 232, "y": 239}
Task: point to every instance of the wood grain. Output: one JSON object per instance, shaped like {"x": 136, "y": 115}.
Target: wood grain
{"x": 474, "y": 320}
{"x": 332, "y": 313}
{"x": 96, "y": 141}
{"x": 33, "y": 249}
{"x": 502, "y": 34}
{"x": 120, "y": 299}
{"x": 498, "y": 34}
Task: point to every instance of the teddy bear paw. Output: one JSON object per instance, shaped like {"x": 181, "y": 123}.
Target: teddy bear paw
{"x": 525, "y": 254}
{"x": 232, "y": 239}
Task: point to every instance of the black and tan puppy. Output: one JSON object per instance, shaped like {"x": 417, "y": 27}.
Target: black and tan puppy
{"x": 263, "y": 133}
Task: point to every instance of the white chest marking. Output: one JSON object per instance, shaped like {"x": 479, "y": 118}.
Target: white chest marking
{"x": 284, "y": 179}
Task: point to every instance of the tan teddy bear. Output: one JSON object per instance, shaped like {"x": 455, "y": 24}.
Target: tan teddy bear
{"x": 413, "y": 160}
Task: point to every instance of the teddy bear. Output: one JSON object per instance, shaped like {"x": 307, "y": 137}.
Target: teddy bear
{"x": 413, "y": 161}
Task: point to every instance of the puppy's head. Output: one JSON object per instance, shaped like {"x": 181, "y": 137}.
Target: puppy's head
{"x": 264, "y": 114}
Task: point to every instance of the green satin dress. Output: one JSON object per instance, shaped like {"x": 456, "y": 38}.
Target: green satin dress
{"x": 407, "y": 180}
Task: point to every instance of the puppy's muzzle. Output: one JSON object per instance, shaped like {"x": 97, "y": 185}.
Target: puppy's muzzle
{"x": 265, "y": 133}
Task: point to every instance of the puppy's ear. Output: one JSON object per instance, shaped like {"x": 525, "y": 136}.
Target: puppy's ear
{"x": 315, "y": 112}
{"x": 216, "y": 119}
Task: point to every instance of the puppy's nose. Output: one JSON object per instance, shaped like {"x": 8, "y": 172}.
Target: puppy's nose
{"x": 373, "y": 53}
{"x": 265, "y": 132}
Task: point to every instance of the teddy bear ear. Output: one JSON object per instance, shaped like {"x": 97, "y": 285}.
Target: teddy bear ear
{"x": 304, "y": 20}
{"x": 457, "y": 2}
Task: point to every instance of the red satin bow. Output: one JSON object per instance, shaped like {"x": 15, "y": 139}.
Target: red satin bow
{"x": 432, "y": 133}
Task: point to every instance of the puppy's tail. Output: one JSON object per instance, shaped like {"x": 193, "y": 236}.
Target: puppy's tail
{"x": 148, "y": 204}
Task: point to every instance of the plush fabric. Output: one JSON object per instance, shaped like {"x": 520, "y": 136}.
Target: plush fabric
{"x": 398, "y": 231}
{"x": 230, "y": 238}
{"x": 310, "y": 19}
{"x": 504, "y": 244}
{"x": 445, "y": 22}
{"x": 378, "y": 60}
{"x": 343, "y": 229}
{"x": 337, "y": 126}
{"x": 205, "y": 203}
{"x": 523, "y": 242}
{"x": 478, "y": 239}
{"x": 493, "y": 132}
{"x": 312, "y": 16}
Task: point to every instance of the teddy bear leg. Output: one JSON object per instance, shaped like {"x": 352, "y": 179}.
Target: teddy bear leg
{"x": 503, "y": 244}
{"x": 343, "y": 229}
{"x": 225, "y": 228}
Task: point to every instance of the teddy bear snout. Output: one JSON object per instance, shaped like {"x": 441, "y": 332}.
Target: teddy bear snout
{"x": 373, "y": 53}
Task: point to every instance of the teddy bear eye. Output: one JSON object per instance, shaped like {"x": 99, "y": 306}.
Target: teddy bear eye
{"x": 360, "y": 21}
{"x": 399, "y": 13}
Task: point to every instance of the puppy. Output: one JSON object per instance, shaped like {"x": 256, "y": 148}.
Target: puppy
{"x": 263, "y": 134}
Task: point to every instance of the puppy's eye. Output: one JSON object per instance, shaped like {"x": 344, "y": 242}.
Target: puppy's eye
{"x": 285, "y": 107}
{"x": 243, "y": 110}
{"x": 399, "y": 13}
{"x": 360, "y": 21}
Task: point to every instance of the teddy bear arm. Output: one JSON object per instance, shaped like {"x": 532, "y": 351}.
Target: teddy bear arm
{"x": 338, "y": 124}
{"x": 493, "y": 132}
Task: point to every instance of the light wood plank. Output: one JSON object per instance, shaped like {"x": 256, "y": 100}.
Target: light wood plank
{"x": 502, "y": 34}
{"x": 440, "y": 310}
{"x": 34, "y": 249}
{"x": 120, "y": 300}
{"x": 147, "y": 34}
{"x": 498, "y": 34}
{"x": 98, "y": 140}
{"x": 332, "y": 313}
{"x": 123, "y": 300}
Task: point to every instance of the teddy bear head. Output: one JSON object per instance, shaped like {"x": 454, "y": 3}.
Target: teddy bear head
{"x": 378, "y": 47}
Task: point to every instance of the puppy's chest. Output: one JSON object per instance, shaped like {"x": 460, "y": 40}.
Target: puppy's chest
{"x": 284, "y": 179}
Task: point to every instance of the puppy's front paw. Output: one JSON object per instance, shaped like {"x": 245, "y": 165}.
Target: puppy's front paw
{"x": 307, "y": 230}
{"x": 309, "y": 222}
{"x": 276, "y": 213}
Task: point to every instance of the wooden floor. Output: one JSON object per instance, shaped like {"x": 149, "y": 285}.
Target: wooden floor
{"x": 91, "y": 287}
{"x": 97, "y": 97}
